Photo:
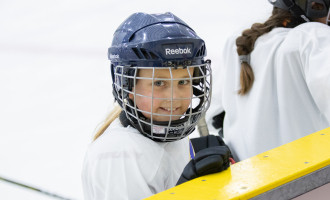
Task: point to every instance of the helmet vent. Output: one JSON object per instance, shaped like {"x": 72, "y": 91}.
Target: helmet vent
{"x": 136, "y": 51}
{"x": 153, "y": 56}
{"x": 201, "y": 51}
{"x": 144, "y": 54}
{"x": 198, "y": 53}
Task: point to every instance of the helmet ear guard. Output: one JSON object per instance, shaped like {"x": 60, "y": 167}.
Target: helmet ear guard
{"x": 123, "y": 78}
{"x": 201, "y": 71}
{"x": 303, "y": 9}
{"x": 322, "y": 10}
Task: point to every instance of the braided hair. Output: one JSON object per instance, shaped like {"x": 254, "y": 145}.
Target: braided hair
{"x": 245, "y": 43}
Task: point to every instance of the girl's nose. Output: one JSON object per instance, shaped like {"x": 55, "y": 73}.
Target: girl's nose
{"x": 176, "y": 92}
{"x": 172, "y": 92}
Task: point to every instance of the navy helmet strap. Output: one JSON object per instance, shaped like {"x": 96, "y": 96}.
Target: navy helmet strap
{"x": 296, "y": 10}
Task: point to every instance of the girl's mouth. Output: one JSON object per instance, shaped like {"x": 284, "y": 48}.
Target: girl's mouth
{"x": 169, "y": 109}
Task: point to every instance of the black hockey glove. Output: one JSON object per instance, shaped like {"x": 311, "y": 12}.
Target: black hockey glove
{"x": 217, "y": 121}
{"x": 207, "y": 161}
{"x": 204, "y": 142}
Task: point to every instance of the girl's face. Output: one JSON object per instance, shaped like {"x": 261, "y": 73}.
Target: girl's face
{"x": 155, "y": 95}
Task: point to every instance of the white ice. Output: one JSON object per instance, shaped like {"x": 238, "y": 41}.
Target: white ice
{"x": 55, "y": 82}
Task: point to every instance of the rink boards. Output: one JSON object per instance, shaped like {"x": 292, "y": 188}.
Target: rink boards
{"x": 301, "y": 167}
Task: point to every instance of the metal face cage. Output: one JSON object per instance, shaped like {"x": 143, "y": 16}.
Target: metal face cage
{"x": 163, "y": 103}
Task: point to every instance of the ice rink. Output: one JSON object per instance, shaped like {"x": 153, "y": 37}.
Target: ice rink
{"x": 55, "y": 80}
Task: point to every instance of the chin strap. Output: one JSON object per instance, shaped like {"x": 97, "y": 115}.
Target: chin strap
{"x": 123, "y": 119}
{"x": 296, "y": 10}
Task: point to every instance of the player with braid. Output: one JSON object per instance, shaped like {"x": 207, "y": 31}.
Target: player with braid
{"x": 276, "y": 78}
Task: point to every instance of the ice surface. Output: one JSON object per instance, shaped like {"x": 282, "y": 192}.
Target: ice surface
{"x": 55, "y": 82}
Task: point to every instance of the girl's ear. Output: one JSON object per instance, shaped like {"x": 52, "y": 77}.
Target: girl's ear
{"x": 285, "y": 22}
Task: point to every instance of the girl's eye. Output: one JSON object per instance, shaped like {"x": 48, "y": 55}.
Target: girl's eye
{"x": 159, "y": 83}
{"x": 184, "y": 82}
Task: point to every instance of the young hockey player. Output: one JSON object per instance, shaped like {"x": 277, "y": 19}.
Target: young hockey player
{"x": 163, "y": 85}
{"x": 276, "y": 87}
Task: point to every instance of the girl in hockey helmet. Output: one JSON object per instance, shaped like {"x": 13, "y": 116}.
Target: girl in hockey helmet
{"x": 163, "y": 85}
{"x": 277, "y": 82}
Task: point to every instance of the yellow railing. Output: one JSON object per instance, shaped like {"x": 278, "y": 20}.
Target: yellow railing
{"x": 259, "y": 174}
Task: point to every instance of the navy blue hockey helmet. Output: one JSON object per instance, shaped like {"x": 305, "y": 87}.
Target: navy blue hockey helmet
{"x": 303, "y": 8}
{"x": 151, "y": 40}
{"x": 159, "y": 41}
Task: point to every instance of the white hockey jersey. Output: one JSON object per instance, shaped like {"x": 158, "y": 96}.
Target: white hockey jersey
{"x": 122, "y": 164}
{"x": 290, "y": 97}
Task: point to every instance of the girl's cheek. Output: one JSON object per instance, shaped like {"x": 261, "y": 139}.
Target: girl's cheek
{"x": 143, "y": 102}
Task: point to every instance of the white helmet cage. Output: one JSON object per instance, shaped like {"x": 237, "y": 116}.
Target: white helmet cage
{"x": 126, "y": 78}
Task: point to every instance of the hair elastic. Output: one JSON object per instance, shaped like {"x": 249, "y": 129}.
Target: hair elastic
{"x": 244, "y": 58}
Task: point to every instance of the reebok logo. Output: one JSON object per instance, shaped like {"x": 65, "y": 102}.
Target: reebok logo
{"x": 169, "y": 51}
{"x": 113, "y": 56}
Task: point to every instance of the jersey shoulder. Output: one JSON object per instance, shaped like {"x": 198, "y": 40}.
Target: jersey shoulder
{"x": 310, "y": 31}
{"x": 118, "y": 138}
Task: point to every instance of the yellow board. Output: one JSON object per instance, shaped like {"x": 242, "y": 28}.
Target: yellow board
{"x": 258, "y": 174}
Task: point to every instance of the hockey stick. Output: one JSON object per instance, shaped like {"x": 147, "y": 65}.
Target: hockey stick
{"x": 33, "y": 188}
{"x": 202, "y": 127}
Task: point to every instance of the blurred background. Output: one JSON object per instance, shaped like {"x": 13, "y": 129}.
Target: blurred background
{"x": 55, "y": 80}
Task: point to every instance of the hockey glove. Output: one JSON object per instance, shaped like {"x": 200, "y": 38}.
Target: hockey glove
{"x": 204, "y": 142}
{"x": 217, "y": 121}
{"x": 207, "y": 161}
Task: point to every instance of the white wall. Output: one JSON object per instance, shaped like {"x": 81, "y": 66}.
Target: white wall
{"x": 55, "y": 82}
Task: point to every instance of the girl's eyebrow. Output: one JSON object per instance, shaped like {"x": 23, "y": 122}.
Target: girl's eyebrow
{"x": 161, "y": 77}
